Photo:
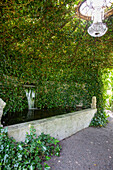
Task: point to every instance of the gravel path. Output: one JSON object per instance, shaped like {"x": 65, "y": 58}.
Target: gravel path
{"x": 89, "y": 149}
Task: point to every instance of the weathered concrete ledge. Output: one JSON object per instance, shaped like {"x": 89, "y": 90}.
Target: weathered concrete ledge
{"x": 60, "y": 126}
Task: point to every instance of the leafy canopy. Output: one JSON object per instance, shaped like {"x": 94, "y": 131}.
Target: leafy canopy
{"x": 45, "y": 43}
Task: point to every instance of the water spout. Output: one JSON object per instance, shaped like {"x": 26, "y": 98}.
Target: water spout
{"x": 30, "y": 94}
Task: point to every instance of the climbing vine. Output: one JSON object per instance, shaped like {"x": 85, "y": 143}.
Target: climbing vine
{"x": 45, "y": 44}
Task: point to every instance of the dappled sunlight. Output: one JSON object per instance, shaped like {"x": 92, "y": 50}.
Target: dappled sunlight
{"x": 109, "y": 113}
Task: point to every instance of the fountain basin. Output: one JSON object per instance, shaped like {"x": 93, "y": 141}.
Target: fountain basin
{"x": 60, "y": 126}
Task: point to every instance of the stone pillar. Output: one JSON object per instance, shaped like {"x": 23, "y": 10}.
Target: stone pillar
{"x": 93, "y": 104}
{"x": 2, "y": 105}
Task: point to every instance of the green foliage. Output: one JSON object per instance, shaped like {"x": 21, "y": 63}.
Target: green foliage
{"x": 104, "y": 82}
{"x": 100, "y": 119}
{"x": 44, "y": 43}
{"x": 108, "y": 87}
{"x": 29, "y": 154}
{"x": 14, "y": 95}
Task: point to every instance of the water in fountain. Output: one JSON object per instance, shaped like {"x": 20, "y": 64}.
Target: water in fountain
{"x": 33, "y": 114}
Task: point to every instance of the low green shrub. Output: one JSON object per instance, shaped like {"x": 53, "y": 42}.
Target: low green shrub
{"x": 100, "y": 119}
{"x": 27, "y": 155}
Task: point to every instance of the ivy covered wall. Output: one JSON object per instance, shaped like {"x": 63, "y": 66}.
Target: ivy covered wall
{"x": 63, "y": 92}
{"x": 46, "y": 44}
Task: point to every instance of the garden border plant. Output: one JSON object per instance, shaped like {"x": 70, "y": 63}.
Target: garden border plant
{"x": 28, "y": 155}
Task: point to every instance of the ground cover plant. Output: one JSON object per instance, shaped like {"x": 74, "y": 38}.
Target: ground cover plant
{"x": 27, "y": 155}
{"x": 100, "y": 119}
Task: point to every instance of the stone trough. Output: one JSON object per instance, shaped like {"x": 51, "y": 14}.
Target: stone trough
{"x": 60, "y": 127}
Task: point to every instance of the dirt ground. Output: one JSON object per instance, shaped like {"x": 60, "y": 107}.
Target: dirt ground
{"x": 89, "y": 149}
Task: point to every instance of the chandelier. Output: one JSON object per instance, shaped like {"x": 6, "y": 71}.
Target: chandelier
{"x": 95, "y": 10}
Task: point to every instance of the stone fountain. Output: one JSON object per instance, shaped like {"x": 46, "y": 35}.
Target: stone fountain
{"x": 59, "y": 126}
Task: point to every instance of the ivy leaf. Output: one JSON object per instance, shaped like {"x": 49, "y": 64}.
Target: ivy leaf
{"x": 48, "y": 158}
{"x": 46, "y": 167}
